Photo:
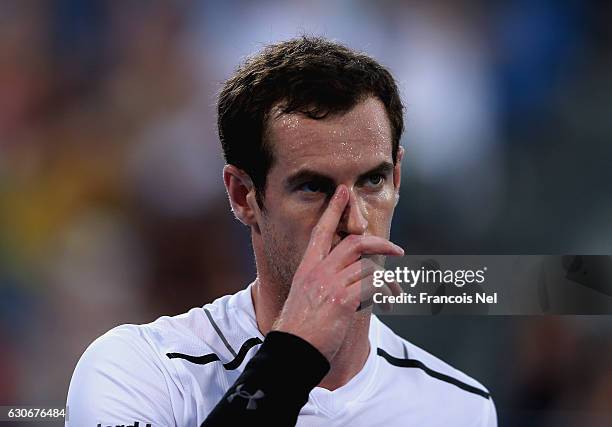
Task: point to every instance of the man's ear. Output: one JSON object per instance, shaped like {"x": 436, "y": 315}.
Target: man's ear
{"x": 397, "y": 172}
{"x": 241, "y": 194}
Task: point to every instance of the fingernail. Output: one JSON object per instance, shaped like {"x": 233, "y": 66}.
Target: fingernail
{"x": 340, "y": 192}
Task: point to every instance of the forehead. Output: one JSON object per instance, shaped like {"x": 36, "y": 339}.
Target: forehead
{"x": 341, "y": 143}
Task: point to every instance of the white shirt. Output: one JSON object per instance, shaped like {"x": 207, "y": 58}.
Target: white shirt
{"x": 173, "y": 371}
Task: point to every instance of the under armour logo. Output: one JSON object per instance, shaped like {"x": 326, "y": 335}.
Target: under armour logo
{"x": 252, "y": 404}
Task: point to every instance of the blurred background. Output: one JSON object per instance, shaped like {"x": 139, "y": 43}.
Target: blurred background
{"x": 112, "y": 206}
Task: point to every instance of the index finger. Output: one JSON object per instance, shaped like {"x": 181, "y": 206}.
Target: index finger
{"x": 323, "y": 233}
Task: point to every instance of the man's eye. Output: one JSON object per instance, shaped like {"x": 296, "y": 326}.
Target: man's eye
{"x": 375, "y": 180}
{"x": 311, "y": 187}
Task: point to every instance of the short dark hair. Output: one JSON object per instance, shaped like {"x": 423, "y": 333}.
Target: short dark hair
{"x": 310, "y": 75}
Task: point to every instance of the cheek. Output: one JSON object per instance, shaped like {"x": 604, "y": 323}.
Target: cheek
{"x": 294, "y": 221}
{"x": 379, "y": 211}
{"x": 300, "y": 215}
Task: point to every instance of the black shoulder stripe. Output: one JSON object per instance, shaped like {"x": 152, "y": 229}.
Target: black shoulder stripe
{"x": 212, "y": 357}
{"x": 413, "y": 363}
{"x": 200, "y": 360}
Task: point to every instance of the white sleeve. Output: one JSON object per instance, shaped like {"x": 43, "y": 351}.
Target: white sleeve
{"x": 490, "y": 414}
{"x": 118, "y": 382}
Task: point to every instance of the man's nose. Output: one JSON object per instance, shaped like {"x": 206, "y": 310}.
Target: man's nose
{"x": 353, "y": 218}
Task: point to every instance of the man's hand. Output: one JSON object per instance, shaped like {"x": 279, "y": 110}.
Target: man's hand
{"x": 329, "y": 286}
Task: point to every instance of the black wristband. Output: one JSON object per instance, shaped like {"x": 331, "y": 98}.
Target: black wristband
{"x": 296, "y": 362}
{"x": 275, "y": 383}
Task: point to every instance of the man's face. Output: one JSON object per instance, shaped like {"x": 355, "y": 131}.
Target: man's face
{"x": 313, "y": 157}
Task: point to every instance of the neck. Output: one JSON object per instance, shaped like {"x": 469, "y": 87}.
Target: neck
{"x": 268, "y": 301}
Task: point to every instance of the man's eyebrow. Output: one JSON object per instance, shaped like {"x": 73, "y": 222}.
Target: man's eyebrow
{"x": 304, "y": 175}
{"x": 384, "y": 168}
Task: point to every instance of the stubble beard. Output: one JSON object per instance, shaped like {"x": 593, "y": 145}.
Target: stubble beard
{"x": 282, "y": 258}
